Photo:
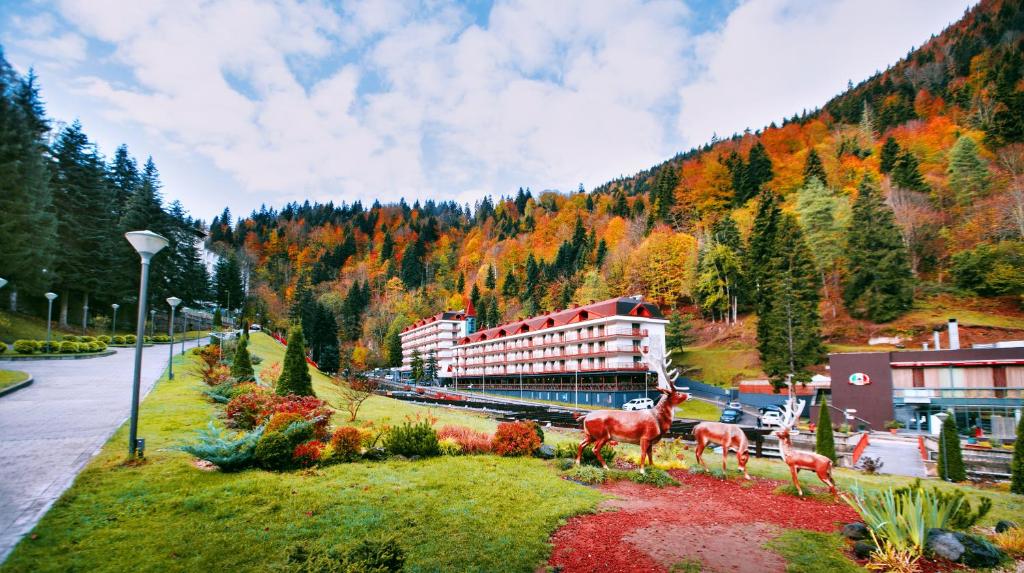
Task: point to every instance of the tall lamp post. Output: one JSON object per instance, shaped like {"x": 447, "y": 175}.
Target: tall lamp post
{"x": 942, "y": 447}
{"x": 174, "y": 302}
{"x": 147, "y": 244}
{"x": 113, "y": 325}
{"x": 49, "y": 316}
{"x": 152, "y": 323}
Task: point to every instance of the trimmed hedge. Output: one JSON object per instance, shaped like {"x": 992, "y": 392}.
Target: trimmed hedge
{"x": 104, "y": 339}
{"x": 118, "y": 339}
{"x": 25, "y": 346}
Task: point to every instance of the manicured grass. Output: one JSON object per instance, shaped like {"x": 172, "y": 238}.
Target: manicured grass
{"x": 722, "y": 366}
{"x": 473, "y": 513}
{"x": 11, "y": 377}
{"x": 813, "y": 552}
{"x": 698, "y": 410}
{"x": 19, "y": 326}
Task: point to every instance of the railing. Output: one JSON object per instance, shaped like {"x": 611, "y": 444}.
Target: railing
{"x": 632, "y": 366}
{"x": 516, "y": 344}
{"x": 959, "y": 392}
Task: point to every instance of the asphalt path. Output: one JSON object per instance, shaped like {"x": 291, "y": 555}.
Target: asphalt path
{"x": 51, "y": 429}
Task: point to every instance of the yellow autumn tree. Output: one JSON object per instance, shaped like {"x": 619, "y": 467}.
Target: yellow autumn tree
{"x": 663, "y": 265}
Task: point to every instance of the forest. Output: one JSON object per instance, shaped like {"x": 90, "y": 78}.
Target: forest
{"x": 907, "y": 185}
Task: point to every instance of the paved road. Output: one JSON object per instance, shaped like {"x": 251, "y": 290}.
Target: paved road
{"x": 899, "y": 457}
{"x": 50, "y": 430}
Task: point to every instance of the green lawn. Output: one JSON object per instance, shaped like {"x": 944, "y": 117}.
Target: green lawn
{"x": 698, "y": 410}
{"x": 722, "y": 366}
{"x": 19, "y": 326}
{"x": 474, "y": 513}
{"x": 11, "y": 377}
{"x": 938, "y": 310}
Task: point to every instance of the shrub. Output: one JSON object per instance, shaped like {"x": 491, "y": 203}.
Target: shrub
{"x": 1016, "y": 464}
{"x": 964, "y": 516}
{"x": 375, "y": 556}
{"x": 275, "y": 450}
{"x": 228, "y": 452}
{"x": 69, "y": 338}
{"x": 307, "y": 454}
{"x": 25, "y": 346}
{"x": 411, "y": 439}
{"x": 1011, "y": 541}
{"x": 587, "y": 475}
{"x": 86, "y": 339}
{"x": 270, "y": 374}
{"x": 951, "y": 460}
{"x": 118, "y": 339}
{"x": 870, "y": 465}
{"x": 470, "y": 441}
{"x": 347, "y": 443}
{"x": 246, "y": 411}
{"x": 310, "y": 408}
{"x": 891, "y": 558}
{"x": 516, "y": 439}
{"x": 100, "y": 345}
{"x": 241, "y": 365}
{"x": 654, "y": 476}
{"x": 568, "y": 450}
{"x": 3, "y": 348}
{"x": 130, "y": 339}
{"x": 161, "y": 338}
{"x": 902, "y": 517}
{"x": 295, "y": 377}
{"x": 67, "y": 347}
{"x": 449, "y": 447}
{"x": 282, "y": 420}
{"x": 824, "y": 440}
{"x": 104, "y": 339}
{"x": 43, "y": 346}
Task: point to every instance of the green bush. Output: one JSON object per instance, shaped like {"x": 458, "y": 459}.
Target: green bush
{"x": 101, "y": 345}
{"x": 824, "y": 440}
{"x": 68, "y": 347}
{"x": 118, "y": 339}
{"x": 295, "y": 377}
{"x": 3, "y": 348}
{"x": 991, "y": 270}
{"x": 369, "y": 556}
{"x": 43, "y": 346}
{"x": 105, "y": 339}
{"x": 449, "y": 447}
{"x": 903, "y": 516}
{"x": 25, "y": 346}
{"x": 964, "y": 517}
{"x": 275, "y": 450}
{"x": 87, "y": 339}
{"x": 147, "y": 340}
{"x": 411, "y": 439}
{"x": 241, "y": 365}
{"x": 229, "y": 452}
{"x": 568, "y": 450}
{"x": 130, "y": 339}
{"x": 588, "y": 475}
{"x": 69, "y": 338}
{"x": 654, "y": 476}
{"x": 951, "y": 460}
{"x": 161, "y": 338}
{"x": 1017, "y": 463}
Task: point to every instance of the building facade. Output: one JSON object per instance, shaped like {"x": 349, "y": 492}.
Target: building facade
{"x": 436, "y": 335}
{"x": 983, "y": 387}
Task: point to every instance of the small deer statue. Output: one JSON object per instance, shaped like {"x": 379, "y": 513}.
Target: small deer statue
{"x": 642, "y": 427}
{"x": 798, "y": 460}
{"x": 729, "y": 436}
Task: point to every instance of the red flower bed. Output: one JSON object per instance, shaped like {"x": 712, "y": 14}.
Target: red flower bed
{"x": 471, "y": 441}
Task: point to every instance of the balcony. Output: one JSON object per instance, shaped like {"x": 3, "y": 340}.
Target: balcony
{"x": 505, "y": 346}
{"x": 614, "y": 366}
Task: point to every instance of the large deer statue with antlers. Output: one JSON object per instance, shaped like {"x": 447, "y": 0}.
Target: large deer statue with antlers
{"x": 798, "y": 460}
{"x": 642, "y": 427}
{"x": 729, "y": 436}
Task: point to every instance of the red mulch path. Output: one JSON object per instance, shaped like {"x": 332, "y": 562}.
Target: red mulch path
{"x": 738, "y": 515}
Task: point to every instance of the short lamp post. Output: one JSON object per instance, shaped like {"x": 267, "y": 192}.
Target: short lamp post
{"x": 50, "y": 296}
{"x": 113, "y": 325}
{"x": 174, "y": 302}
{"x": 147, "y": 244}
{"x": 942, "y": 447}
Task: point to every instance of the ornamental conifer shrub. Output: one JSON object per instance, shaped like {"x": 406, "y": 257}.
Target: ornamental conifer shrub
{"x": 411, "y": 439}
{"x": 824, "y": 441}
{"x": 241, "y": 365}
{"x": 224, "y": 450}
{"x": 295, "y": 377}
{"x": 950, "y": 460}
{"x": 1017, "y": 464}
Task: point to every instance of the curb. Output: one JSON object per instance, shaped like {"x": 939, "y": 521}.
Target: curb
{"x": 68, "y": 357}
{"x": 18, "y": 386}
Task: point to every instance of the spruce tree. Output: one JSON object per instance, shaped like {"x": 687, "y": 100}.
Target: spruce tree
{"x": 510, "y": 286}
{"x": 393, "y": 345}
{"x": 813, "y": 168}
{"x": 330, "y": 359}
{"x": 879, "y": 282}
{"x": 416, "y": 366}
{"x": 950, "y": 461}
{"x": 413, "y": 269}
{"x": 241, "y": 364}
{"x": 824, "y": 440}
{"x": 387, "y": 248}
{"x": 890, "y": 151}
{"x": 430, "y": 366}
{"x": 490, "y": 281}
{"x": 1017, "y": 463}
{"x": 968, "y": 174}
{"x": 906, "y": 174}
{"x": 678, "y": 333}
{"x": 227, "y": 280}
{"x": 761, "y": 245}
{"x": 218, "y": 319}
{"x": 295, "y": 377}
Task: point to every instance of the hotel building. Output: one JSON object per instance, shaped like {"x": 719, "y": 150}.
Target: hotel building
{"x": 436, "y": 334}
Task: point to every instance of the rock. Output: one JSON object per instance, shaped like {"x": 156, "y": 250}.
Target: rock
{"x": 546, "y": 452}
{"x": 978, "y": 552}
{"x": 944, "y": 544}
{"x": 863, "y": 549}
{"x": 856, "y": 531}
{"x": 1004, "y": 525}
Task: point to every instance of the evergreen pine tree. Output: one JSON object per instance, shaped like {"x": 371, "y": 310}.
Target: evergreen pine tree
{"x": 906, "y": 174}
{"x": 490, "y": 281}
{"x": 416, "y": 366}
{"x": 813, "y": 168}
{"x": 295, "y": 377}
{"x": 761, "y": 245}
{"x": 678, "y": 333}
{"x": 227, "y": 280}
{"x": 218, "y": 319}
{"x": 879, "y": 283}
{"x": 824, "y": 440}
{"x": 890, "y": 151}
{"x": 1017, "y": 463}
{"x": 387, "y": 247}
{"x": 968, "y": 174}
{"x": 413, "y": 269}
{"x": 460, "y": 286}
{"x": 241, "y": 364}
{"x": 330, "y": 359}
{"x": 867, "y": 124}
{"x": 510, "y": 286}
{"x": 602, "y": 253}
{"x": 430, "y": 366}
{"x": 950, "y": 461}
{"x": 393, "y": 345}
{"x": 124, "y": 178}
{"x": 493, "y": 313}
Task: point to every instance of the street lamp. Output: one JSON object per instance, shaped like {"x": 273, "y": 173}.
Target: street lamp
{"x": 85, "y": 317}
{"x": 147, "y": 244}
{"x": 113, "y": 325}
{"x": 942, "y": 447}
{"x": 152, "y": 323}
{"x": 49, "y": 317}
{"x": 184, "y": 331}
{"x": 174, "y": 302}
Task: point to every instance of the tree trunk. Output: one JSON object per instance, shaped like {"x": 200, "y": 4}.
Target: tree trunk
{"x": 63, "y": 321}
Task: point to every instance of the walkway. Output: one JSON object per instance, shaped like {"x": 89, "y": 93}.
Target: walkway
{"x": 899, "y": 457}
{"x": 51, "y": 429}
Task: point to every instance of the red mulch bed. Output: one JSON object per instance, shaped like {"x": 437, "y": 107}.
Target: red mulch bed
{"x": 723, "y": 523}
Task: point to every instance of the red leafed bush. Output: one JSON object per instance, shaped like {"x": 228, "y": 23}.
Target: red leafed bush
{"x": 307, "y": 454}
{"x": 515, "y": 439}
{"x": 471, "y": 441}
{"x": 282, "y": 420}
{"x": 347, "y": 442}
{"x": 247, "y": 411}
{"x": 309, "y": 407}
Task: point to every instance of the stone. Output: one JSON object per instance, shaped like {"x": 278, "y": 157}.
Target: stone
{"x": 944, "y": 544}
{"x": 1003, "y": 526}
{"x": 856, "y": 531}
{"x": 546, "y": 452}
{"x": 864, "y": 549}
{"x": 978, "y": 552}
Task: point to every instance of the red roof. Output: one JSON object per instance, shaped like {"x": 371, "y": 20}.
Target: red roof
{"x": 622, "y": 306}
{"x": 446, "y": 315}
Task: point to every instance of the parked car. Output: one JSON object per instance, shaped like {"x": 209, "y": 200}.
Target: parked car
{"x": 731, "y": 416}
{"x": 771, "y": 418}
{"x": 638, "y": 404}
{"x": 255, "y": 327}
{"x": 735, "y": 405}
{"x": 403, "y": 394}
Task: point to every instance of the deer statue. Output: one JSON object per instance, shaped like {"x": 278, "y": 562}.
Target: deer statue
{"x": 642, "y": 427}
{"x": 729, "y": 436}
{"x": 798, "y": 460}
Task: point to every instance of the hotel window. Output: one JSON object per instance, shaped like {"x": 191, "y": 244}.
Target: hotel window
{"x": 999, "y": 380}
{"x": 918, "y": 377}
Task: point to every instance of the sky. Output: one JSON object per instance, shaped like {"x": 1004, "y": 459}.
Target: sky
{"x": 249, "y": 102}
